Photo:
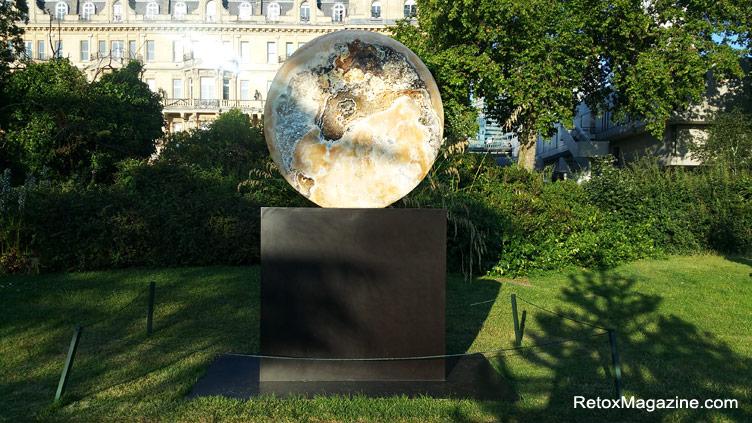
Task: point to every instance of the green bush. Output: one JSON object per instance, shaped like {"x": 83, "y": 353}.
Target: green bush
{"x": 687, "y": 211}
{"x": 76, "y": 130}
{"x": 232, "y": 145}
{"x": 502, "y": 221}
{"x": 509, "y": 221}
{"x": 154, "y": 215}
{"x": 554, "y": 226}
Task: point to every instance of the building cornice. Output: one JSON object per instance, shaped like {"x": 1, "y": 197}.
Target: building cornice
{"x": 200, "y": 27}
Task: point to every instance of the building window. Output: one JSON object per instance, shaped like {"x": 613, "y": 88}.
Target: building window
{"x": 61, "y": 9}
{"x": 272, "y": 12}
{"x": 300, "y": 45}
{"x": 117, "y": 11}
{"x": 268, "y": 87}
{"x": 376, "y": 10}
{"x": 177, "y": 89}
{"x": 180, "y": 10}
{"x": 245, "y": 52}
{"x": 196, "y": 50}
{"x": 84, "y": 51}
{"x": 88, "y": 10}
{"x": 305, "y": 12}
{"x": 102, "y": 48}
{"x": 207, "y": 88}
{"x": 339, "y": 13}
{"x": 245, "y": 90}
{"x": 288, "y": 50}
{"x": 29, "y": 49}
{"x": 225, "y": 89}
{"x": 40, "y": 50}
{"x": 132, "y": 49}
{"x": 152, "y": 85}
{"x": 59, "y": 50}
{"x": 211, "y": 11}
{"x": 271, "y": 52}
{"x": 245, "y": 11}
{"x": 177, "y": 51}
{"x": 152, "y": 10}
{"x": 118, "y": 49}
{"x": 411, "y": 10}
{"x": 150, "y": 51}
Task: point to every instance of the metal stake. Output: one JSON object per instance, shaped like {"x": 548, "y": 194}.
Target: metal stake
{"x": 517, "y": 334}
{"x": 68, "y": 363}
{"x": 615, "y": 359}
{"x": 150, "y": 313}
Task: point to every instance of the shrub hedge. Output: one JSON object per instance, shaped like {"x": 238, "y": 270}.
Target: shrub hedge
{"x": 505, "y": 221}
{"x": 154, "y": 215}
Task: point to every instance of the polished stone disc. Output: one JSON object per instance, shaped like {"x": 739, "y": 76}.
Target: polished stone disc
{"x": 354, "y": 119}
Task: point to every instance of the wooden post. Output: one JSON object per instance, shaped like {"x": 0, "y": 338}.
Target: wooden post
{"x": 150, "y": 312}
{"x": 68, "y": 363}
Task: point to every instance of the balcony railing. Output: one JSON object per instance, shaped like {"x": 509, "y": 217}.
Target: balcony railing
{"x": 116, "y": 57}
{"x": 492, "y": 147}
{"x": 203, "y": 104}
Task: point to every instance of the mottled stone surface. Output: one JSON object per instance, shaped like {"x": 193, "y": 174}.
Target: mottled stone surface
{"x": 354, "y": 119}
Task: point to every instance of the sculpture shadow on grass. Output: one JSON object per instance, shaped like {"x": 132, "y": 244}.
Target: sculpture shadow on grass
{"x": 662, "y": 356}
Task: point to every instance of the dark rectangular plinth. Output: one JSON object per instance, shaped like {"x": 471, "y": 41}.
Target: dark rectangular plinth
{"x": 352, "y": 283}
{"x": 470, "y": 377}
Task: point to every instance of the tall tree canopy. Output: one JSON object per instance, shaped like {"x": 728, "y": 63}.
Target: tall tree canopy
{"x": 57, "y": 120}
{"x": 11, "y": 12}
{"x": 534, "y": 61}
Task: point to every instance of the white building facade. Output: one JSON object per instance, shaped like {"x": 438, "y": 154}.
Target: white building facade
{"x": 203, "y": 56}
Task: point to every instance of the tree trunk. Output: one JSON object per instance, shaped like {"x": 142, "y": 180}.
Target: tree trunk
{"x": 528, "y": 139}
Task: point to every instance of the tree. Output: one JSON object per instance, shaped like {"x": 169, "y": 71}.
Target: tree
{"x": 75, "y": 129}
{"x": 534, "y": 61}
{"x": 232, "y": 144}
{"x": 11, "y": 12}
{"x": 126, "y": 116}
{"x": 729, "y": 142}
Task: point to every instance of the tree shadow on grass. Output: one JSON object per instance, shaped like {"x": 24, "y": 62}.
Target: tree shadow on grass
{"x": 662, "y": 355}
{"x": 747, "y": 261}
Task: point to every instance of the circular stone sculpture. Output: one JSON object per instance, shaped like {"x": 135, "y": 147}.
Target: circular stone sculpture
{"x": 354, "y": 119}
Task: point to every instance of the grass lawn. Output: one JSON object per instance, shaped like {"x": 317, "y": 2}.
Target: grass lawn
{"x": 684, "y": 327}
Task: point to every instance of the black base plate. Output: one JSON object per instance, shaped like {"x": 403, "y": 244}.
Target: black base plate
{"x": 467, "y": 377}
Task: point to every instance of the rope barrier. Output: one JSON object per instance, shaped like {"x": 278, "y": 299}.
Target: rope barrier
{"x": 427, "y": 357}
{"x": 563, "y": 317}
{"x": 277, "y": 357}
{"x": 79, "y": 330}
{"x": 471, "y": 305}
{"x": 116, "y": 311}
